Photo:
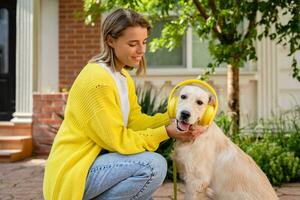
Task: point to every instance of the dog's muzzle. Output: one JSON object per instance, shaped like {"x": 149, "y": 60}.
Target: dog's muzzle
{"x": 183, "y": 121}
{"x": 182, "y": 126}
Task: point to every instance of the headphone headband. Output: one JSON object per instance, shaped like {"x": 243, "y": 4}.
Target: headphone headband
{"x": 203, "y": 83}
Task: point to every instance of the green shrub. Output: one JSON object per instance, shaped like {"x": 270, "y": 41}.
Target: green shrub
{"x": 283, "y": 129}
{"x": 278, "y": 164}
{"x": 223, "y": 121}
{"x": 274, "y": 145}
{"x": 148, "y": 102}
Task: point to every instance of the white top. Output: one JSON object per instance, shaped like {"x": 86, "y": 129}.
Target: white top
{"x": 121, "y": 83}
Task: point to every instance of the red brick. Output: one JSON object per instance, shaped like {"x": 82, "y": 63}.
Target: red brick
{"x": 77, "y": 42}
{"x": 41, "y": 115}
{"x": 44, "y": 115}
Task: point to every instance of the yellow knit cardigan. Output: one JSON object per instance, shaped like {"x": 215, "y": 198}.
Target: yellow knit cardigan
{"x": 93, "y": 121}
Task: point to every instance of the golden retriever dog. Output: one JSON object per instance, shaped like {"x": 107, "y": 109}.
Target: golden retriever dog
{"x": 212, "y": 163}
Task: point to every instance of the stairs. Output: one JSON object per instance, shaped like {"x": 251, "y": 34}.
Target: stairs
{"x": 15, "y": 141}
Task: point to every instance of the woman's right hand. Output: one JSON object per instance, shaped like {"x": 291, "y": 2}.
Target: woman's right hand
{"x": 182, "y": 136}
{"x": 187, "y": 136}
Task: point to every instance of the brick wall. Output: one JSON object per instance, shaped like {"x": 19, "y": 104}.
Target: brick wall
{"x": 46, "y": 120}
{"x": 77, "y": 42}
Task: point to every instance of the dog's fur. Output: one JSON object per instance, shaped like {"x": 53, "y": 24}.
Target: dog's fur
{"x": 212, "y": 161}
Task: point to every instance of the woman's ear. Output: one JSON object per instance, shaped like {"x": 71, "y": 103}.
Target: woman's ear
{"x": 110, "y": 41}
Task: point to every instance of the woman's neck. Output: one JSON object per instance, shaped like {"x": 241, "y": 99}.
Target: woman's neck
{"x": 118, "y": 65}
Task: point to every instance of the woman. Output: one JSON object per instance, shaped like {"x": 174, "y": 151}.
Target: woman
{"x": 102, "y": 113}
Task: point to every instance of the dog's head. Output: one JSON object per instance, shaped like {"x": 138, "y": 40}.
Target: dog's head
{"x": 191, "y": 106}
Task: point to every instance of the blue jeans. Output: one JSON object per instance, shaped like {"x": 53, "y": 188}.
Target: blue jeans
{"x": 114, "y": 176}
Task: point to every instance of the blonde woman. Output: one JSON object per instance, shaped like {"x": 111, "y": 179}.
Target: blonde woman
{"x": 102, "y": 113}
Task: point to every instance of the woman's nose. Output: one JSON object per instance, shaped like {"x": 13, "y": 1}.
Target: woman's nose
{"x": 141, "y": 49}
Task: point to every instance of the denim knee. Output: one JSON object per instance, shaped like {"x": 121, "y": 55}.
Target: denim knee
{"x": 159, "y": 167}
{"x": 155, "y": 169}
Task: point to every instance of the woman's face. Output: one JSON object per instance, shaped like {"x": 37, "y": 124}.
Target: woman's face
{"x": 130, "y": 47}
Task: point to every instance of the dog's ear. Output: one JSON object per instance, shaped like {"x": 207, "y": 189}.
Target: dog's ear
{"x": 211, "y": 100}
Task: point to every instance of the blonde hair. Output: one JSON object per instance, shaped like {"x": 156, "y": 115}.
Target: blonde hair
{"x": 114, "y": 25}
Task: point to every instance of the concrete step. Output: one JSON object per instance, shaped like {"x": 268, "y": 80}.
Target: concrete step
{"x": 10, "y": 155}
{"x": 9, "y": 128}
{"x": 14, "y": 142}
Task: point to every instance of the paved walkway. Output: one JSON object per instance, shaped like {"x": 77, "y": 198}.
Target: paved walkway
{"x": 23, "y": 181}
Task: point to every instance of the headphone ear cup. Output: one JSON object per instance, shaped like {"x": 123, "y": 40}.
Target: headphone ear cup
{"x": 172, "y": 105}
{"x": 208, "y": 116}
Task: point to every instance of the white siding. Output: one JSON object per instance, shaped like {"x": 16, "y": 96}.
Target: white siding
{"x": 49, "y": 63}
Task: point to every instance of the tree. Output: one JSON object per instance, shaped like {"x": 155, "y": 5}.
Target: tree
{"x": 230, "y": 26}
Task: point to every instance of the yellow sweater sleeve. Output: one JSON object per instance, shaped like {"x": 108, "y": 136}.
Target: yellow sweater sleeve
{"x": 108, "y": 131}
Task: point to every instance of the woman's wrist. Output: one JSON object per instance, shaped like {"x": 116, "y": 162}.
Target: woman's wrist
{"x": 167, "y": 130}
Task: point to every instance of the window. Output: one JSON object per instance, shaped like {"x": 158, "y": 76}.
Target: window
{"x": 201, "y": 56}
{"x": 192, "y": 53}
{"x": 190, "y": 56}
{"x": 162, "y": 58}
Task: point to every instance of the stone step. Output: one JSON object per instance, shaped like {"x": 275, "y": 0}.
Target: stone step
{"x": 14, "y": 148}
{"x": 10, "y": 155}
{"x": 9, "y": 128}
{"x": 14, "y": 142}
{"x": 8, "y": 152}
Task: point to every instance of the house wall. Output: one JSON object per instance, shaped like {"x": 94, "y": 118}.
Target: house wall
{"x": 48, "y": 66}
{"x": 288, "y": 87}
{"x": 77, "y": 42}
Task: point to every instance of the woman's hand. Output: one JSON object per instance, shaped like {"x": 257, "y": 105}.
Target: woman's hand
{"x": 190, "y": 135}
{"x": 197, "y": 130}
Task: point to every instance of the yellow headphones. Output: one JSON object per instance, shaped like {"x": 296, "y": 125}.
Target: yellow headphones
{"x": 210, "y": 111}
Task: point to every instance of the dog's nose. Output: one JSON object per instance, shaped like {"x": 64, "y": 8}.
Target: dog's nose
{"x": 185, "y": 115}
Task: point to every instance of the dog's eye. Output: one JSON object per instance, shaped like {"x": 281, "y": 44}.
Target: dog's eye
{"x": 183, "y": 96}
{"x": 199, "y": 102}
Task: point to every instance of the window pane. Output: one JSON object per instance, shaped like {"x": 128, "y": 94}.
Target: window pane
{"x": 4, "y": 29}
{"x": 162, "y": 58}
{"x": 201, "y": 55}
